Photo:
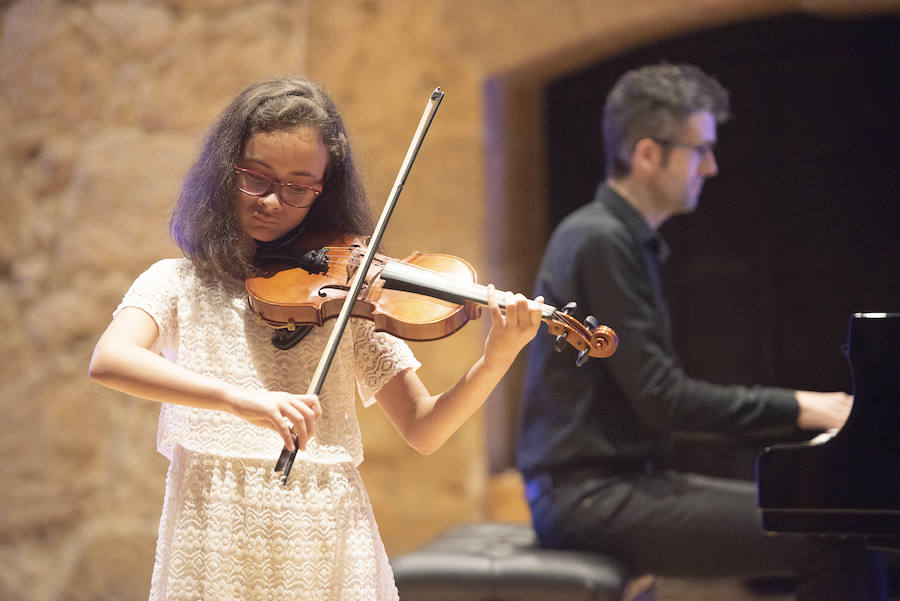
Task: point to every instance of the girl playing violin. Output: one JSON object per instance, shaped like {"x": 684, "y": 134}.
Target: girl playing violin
{"x": 277, "y": 163}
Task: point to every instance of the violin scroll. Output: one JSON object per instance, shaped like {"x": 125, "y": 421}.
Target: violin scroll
{"x": 590, "y": 338}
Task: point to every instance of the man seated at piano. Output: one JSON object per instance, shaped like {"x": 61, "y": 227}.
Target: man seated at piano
{"x": 591, "y": 438}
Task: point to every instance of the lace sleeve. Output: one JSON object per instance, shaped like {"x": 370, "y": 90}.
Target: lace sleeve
{"x": 154, "y": 291}
{"x": 378, "y": 357}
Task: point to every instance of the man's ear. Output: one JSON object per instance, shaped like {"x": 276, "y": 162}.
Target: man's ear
{"x": 646, "y": 155}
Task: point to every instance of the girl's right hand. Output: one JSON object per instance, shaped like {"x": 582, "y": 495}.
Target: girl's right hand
{"x": 293, "y": 416}
{"x": 123, "y": 361}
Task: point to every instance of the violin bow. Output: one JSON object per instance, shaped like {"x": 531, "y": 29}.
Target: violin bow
{"x": 286, "y": 460}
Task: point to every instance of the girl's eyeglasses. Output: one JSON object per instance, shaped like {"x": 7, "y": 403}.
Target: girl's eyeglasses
{"x": 299, "y": 196}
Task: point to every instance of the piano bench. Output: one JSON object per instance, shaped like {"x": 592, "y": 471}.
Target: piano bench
{"x": 500, "y": 561}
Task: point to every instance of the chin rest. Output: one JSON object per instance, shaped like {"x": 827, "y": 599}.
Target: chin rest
{"x": 502, "y": 562}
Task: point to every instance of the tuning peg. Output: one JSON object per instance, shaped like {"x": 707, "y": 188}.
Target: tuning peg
{"x": 569, "y": 308}
{"x": 591, "y": 322}
{"x": 560, "y": 343}
{"x": 582, "y": 357}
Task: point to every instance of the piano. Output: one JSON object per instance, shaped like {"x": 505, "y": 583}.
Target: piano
{"x": 847, "y": 484}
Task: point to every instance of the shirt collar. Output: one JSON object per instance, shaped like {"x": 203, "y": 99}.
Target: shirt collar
{"x": 646, "y": 236}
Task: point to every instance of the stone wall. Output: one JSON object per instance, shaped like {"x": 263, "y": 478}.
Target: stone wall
{"x": 102, "y": 106}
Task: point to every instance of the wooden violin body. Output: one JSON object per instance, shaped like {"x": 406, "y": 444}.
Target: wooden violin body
{"x": 421, "y": 297}
{"x": 288, "y": 296}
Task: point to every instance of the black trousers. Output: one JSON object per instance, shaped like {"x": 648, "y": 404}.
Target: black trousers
{"x": 686, "y": 525}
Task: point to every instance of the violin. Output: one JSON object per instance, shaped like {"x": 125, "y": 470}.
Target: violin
{"x": 420, "y": 297}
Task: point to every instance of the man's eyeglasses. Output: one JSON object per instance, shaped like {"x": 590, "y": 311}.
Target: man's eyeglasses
{"x": 701, "y": 149}
{"x": 299, "y": 196}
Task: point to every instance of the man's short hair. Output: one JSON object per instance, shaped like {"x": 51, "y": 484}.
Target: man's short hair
{"x": 655, "y": 102}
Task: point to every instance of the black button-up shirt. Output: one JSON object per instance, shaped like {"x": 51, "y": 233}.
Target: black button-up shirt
{"x": 616, "y": 414}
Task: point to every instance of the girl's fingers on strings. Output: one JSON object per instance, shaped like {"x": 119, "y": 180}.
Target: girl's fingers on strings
{"x": 513, "y": 309}
{"x": 536, "y": 314}
{"x": 494, "y": 305}
{"x": 521, "y": 309}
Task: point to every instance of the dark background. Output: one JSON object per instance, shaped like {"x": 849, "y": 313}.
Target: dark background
{"x": 799, "y": 229}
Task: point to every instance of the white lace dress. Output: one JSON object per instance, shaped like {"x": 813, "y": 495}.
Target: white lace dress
{"x": 229, "y": 530}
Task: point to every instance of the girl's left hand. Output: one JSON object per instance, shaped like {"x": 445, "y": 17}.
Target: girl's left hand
{"x": 511, "y": 328}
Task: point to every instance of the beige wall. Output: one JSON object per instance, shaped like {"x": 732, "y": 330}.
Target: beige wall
{"x": 102, "y": 105}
